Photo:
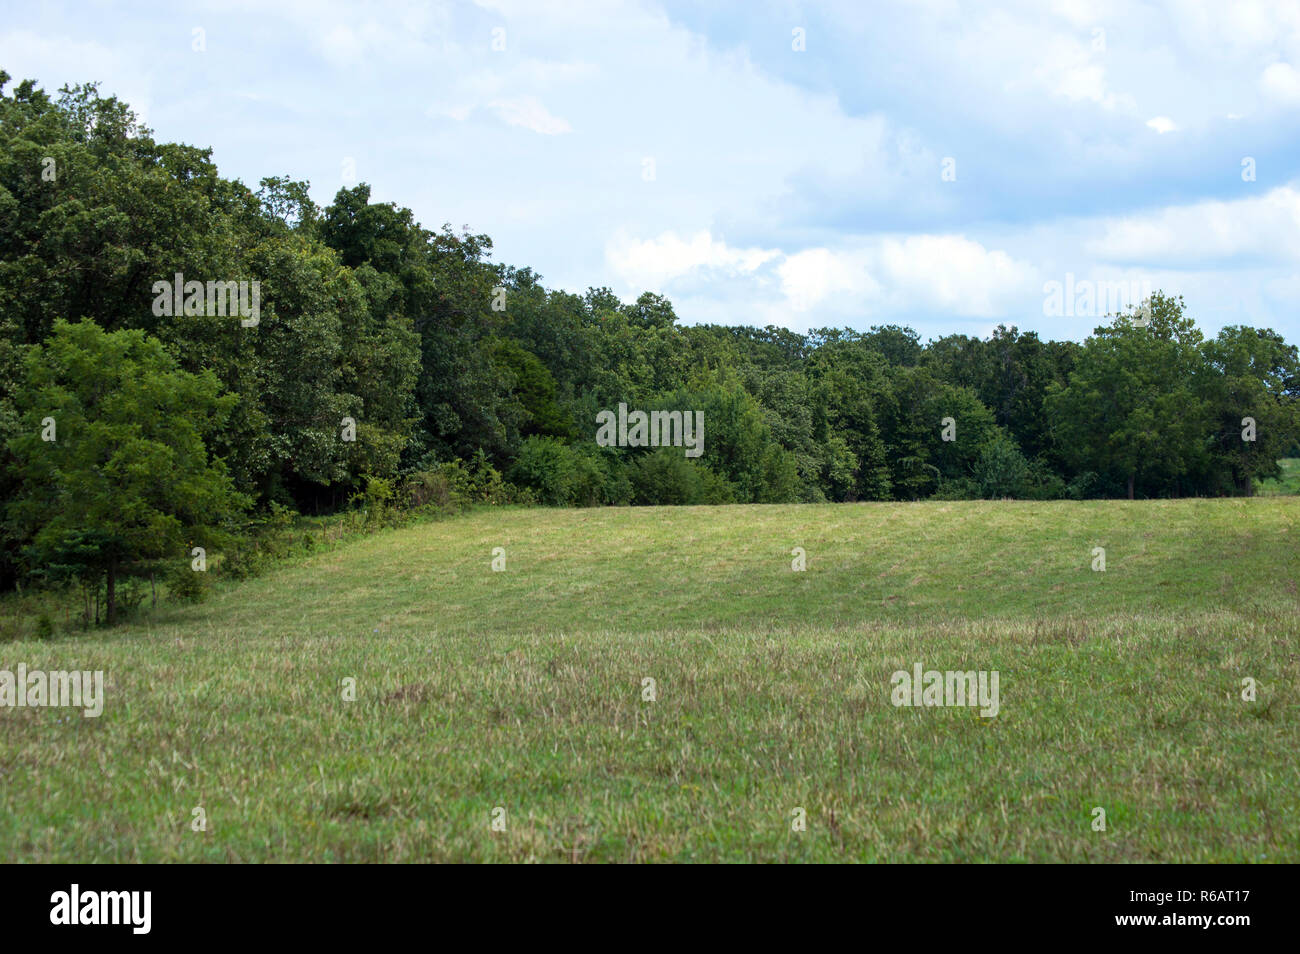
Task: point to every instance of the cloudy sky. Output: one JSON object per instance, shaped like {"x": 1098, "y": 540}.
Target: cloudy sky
{"x": 799, "y": 164}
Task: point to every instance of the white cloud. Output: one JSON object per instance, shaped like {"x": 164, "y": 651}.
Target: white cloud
{"x": 948, "y": 272}
{"x": 459, "y": 113}
{"x": 1265, "y": 227}
{"x": 350, "y": 36}
{"x": 492, "y": 89}
{"x": 653, "y": 263}
{"x": 808, "y": 278}
{"x": 953, "y": 272}
{"x": 528, "y": 113}
{"x": 1031, "y": 55}
{"x": 1281, "y": 82}
{"x": 789, "y": 187}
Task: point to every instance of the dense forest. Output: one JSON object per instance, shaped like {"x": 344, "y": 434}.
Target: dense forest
{"x": 395, "y": 363}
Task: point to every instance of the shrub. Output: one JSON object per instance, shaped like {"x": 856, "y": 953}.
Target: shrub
{"x": 427, "y": 488}
{"x": 587, "y": 487}
{"x": 1083, "y": 487}
{"x": 244, "y": 560}
{"x": 549, "y": 467}
{"x": 188, "y": 585}
{"x": 486, "y": 485}
{"x": 375, "y": 502}
{"x": 780, "y": 472}
{"x": 959, "y": 488}
{"x": 453, "y": 485}
{"x": 1000, "y": 470}
{"x": 1044, "y": 484}
{"x": 714, "y": 488}
{"x": 665, "y": 476}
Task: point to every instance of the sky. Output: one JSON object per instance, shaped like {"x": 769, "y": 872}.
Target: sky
{"x": 948, "y": 166}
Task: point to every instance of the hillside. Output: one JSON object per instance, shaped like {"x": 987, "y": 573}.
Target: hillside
{"x": 524, "y": 689}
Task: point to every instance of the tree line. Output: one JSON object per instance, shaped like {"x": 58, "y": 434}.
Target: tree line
{"x": 391, "y": 361}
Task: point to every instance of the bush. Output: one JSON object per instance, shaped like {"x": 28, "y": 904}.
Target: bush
{"x": 1044, "y": 484}
{"x": 665, "y": 476}
{"x": 1083, "y": 487}
{"x": 618, "y": 489}
{"x": 130, "y": 596}
{"x": 428, "y": 488}
{"x": 486, "y": 485}
{"x": 780, "y": 477}
{"x": 548, "y": 467}
{"x": 714, "y": 488}
{"x": 244, "y": 560}
{"x": 188, "y": 585}
{"x": 960, "y": 488}
{"x": 1000, "y": 470}
{"x": 264, "y": 539}
{"x": 587, "y": 488}
{"x": 454, "y": 485}
{"x": 375, "y": 502}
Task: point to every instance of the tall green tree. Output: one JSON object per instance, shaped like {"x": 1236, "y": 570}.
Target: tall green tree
{"x": 1132, "y": 408}
{"x": 1254, "y": 390}
{"x": 111, "y": 459}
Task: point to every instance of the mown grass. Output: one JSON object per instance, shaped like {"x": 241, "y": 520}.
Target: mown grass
{"x": 523, "y": 689}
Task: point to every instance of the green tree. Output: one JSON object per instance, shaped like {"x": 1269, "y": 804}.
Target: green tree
{"x": 1001, "y": 470}
{"x": 127, "y": 477}
{"x": 1256, "y": 376}
{"x": 851, "y": 395}
{"x": 1132, "y": 407}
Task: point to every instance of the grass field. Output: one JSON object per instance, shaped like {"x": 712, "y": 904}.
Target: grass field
{"x": 1288, "y": 483}
{"x": 523, "y": 689}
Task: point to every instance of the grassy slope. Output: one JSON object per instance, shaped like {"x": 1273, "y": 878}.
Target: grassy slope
{"x": 1288, "y": 483}
{"x": 522, "y": 689}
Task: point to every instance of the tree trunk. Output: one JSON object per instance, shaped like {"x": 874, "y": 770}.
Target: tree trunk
{"x": 110, "y": 599}
{"x": 1130, "y": 485}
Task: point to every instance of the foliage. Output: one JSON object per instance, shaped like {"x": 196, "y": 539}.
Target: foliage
{"x": 111, "y": 464}
{"x": 395, "y": 367}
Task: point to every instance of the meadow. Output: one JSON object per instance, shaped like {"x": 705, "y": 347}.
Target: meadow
{"x": 1287, "y": 484}
{"x": 660, "y": 684}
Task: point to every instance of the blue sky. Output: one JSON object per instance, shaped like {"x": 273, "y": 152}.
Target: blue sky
{"x": 694, "y": 150}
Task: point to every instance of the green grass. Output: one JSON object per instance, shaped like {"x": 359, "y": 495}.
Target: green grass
{"x": 1287, "y": 484}
{"x": 523, "y": 689}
